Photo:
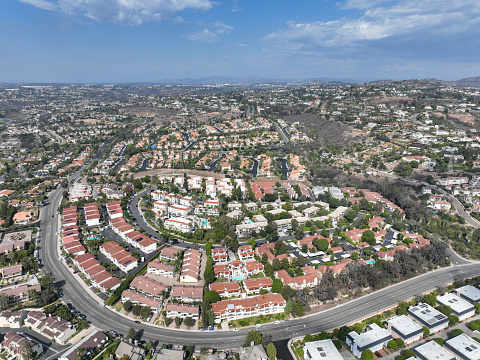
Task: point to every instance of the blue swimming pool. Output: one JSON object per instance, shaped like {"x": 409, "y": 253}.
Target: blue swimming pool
{"x": 238, "y": 278}
{"x": 370, "y": 262}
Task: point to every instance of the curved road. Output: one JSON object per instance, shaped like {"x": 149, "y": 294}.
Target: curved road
{"x": 344, "y": 314}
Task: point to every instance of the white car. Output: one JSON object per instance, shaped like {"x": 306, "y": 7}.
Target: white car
{"x": 236, "y": 329}
{"x": 257, "y": 325}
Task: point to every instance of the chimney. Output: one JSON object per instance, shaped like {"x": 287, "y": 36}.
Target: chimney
{"x": 252, "y": 343}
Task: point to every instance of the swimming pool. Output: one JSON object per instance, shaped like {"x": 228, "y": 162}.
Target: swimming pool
{"x": 370, "y": 262}
{"x": 239, "y": 277}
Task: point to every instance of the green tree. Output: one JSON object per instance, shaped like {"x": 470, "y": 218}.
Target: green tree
{"x": 255, "y": 336}
{"x": 27, "y": 352}
{"x": 454, "y": 333}
{"x": 408, "y": 353}
{"x": 127, "y": 306}
{"x": 271, "y": 350}
{"x": 136, "y": 309}
{"x": 189, "y": 321}
{"x": 430, "y": 299}
{"x": 277, "y": 286}
{"x": 208, "y": 249}
{"x": 33, "y": 295}
{"x": 178, "y": 321}
{"x": 426, "y": 331}
{"x": 403, "y": 169}
{"x": 212, "y": 296}
{"x": 145, "y": 312}
{"x": 209, "y": 274}
{"x": 367, "y": 355}
{"x": 288, "y": 307}
{"x": 369, "y": 237}
{"x": 149, "y": 345}
{"x": 322, "y": 244}
{"x": 444, "y": 309}
{"x": 4, "y": 301}
{"x": 132, "y": 334}
{"x": 392, "y": 344}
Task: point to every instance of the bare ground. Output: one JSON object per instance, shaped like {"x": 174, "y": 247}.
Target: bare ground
{"x": 331, "y": 130}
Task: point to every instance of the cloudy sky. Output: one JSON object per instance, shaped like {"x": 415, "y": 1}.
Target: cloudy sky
{"x": 151, "y": 40}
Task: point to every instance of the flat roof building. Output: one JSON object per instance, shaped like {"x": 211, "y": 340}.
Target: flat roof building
{"x": 432, "y": 351}
{"x": 405, "y": 328}
{"x": 427, "y": 316}
{"x": 374, "y": 338}
{"x": 464, "y": 347}
{"x": 460, "y": 307}
{"x": 322, "y": 349}
{"x": 469, "y": 293}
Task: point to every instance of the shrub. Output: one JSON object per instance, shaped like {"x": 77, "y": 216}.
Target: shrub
{"x": 439, "y": 341}
{"x": 454, "y": 333}
{"x": 452, "y": 320}
{"x": 392, "y": 344}
{"x": 473, "y": 325}
{"x": 400, "y": 342}
{"x": 367, "y": 355}
{"x": 338, "y": 344}
{"x": 408, "y": 353}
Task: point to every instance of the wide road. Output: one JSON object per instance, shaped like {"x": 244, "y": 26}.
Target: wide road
{"x": 341, "y": 315}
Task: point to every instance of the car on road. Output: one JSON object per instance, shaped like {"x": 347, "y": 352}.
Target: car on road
{"x": 257, "y": 325}
{"x": 137, "y": 322}
{"x": 236, "y": 329}
{"x": 60, "y": 294}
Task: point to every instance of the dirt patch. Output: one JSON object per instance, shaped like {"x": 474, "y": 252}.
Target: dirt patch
{"x": 465, "y": 118}
{"x": 390, "y": 100}
{"x": 327, "y": 130}
{"x": 95, "y": 121}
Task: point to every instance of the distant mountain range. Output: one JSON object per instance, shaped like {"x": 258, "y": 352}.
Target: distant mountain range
{"x": 216, "y": 80}
{"x": 253, "y": 80}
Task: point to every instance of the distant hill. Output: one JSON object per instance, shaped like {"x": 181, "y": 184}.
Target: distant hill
{"x": 471, "y": 81}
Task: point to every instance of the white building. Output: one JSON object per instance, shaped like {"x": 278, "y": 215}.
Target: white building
{"x": 405, "y": 328}
{"x": 374, "y": 338}
{"x": 322, "y": 349}
{"x": 460, "y": 307}
{"x": 179, "y": 224}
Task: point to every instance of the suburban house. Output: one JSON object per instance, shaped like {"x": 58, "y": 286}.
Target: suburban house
{"x": 182, "y": 311}
{"x": 226, "y": 289}
{"x": 14, "y": 344}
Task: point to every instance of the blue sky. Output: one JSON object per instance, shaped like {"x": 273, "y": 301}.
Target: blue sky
{"x": 150, "y": 40}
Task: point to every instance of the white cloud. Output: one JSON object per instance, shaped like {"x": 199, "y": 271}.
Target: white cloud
{"x": 206, "y": 35}
{"x": 41, "y": 4}
{"x": 404, "y": 19}
{"x": 132, "y": 12}
{"x": 203, "y": 36}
